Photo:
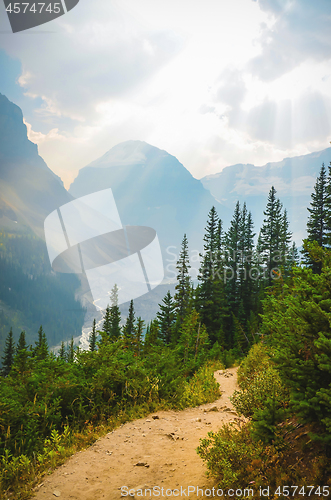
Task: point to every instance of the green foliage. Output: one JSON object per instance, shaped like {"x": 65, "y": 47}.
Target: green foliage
{"x": 9, "y": 353}
{"x": 263, "y": 397}
{"x": 201, "y": 388}
{"x": 183, "y": 286}
{"x": 31, "y": 295}
{"x": 229, "y": 455}
{"x": 236, "y": 460}
{"x": 297, "y": 321}
{"x": 166, "y": 317}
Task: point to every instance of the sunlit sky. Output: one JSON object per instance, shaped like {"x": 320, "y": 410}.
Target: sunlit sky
{"x": 213, "y": 82}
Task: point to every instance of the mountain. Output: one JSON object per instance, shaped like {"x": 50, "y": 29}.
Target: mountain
{"x": 151, "y": 188}
{"x": 294, "y": 179}
{"x": 30, "y": 293}
{"x": 29, "y": 190}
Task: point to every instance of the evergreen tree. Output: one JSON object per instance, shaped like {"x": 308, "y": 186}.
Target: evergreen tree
{"x": 93, "y": 338}
{"x": 22, "y": 354}
{"x": 71, "y": 351}
{"x": 210, "y": 298}
{"x": 106, "y": 327}
{"x": 247, "y": 281}
{"x": 41, "y": 349}
{"x": 9, "y": 353}
{"x": 273, "y": 238}
{"x": 62, "y": 351}
{"x": 139, "y": 330}
{"x": 183, "y": 287}
{"x": 152, "y": 335}
{"x": 296, "y": 322}
{"x": 115, "y": 315}
{"x": 193, "y": 337}
{"x": 317, "y": 225}
{"x": 129, "y": 327}
{"x": 166, "y": 317}
{"x": 234, "y": 249}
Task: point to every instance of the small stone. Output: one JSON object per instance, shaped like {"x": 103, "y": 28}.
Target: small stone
{"x": 213, "y": 408}
{"x": 57, "y": 493}
{"x": 141, "y": 464}
{"x": 198, "y": 419}
{"x": 155, "y": 417}
{"x": 148, "y": 420}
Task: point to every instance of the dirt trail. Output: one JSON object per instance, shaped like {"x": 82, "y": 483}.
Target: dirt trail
{"x": 144, "y": 453}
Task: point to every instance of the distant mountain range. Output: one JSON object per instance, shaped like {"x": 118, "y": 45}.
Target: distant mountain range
{"x": 29, "y": 190}
{"x": 30, "y": 293}
{"x": 294, "y": 179}
{"x": 151, "y": 188}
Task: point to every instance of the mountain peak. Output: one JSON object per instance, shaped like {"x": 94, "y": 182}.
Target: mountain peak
{"x": 14, "y": 142}
{"x": 128, "y": 153}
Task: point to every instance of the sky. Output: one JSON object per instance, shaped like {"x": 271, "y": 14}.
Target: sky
{"x": 212, "y": 82}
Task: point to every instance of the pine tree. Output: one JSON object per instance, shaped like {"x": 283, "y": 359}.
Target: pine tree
{"x": 193, "y": 336}
{"x": 273, "y": 238}
{"x": 22, "y": 354}
{"x": 317, "y": 225}
{"x": 166, "y": 318}
{"x": 62, "y": 351}
{"x": 152, "y": 335}
{"x": 71, "y": 351}
{"x": 183, "y": 287}
{"x": 129, "y": 327}
{"x": 210, "y": 298}
{"x": 9, "y": 353}
{"x": 93, "y": 339}
{"x": 115, "y": 315}
{"x": 234, "y": 247}
{"x": 247, "y": 281}
{"x": 106, "y": 327}
{"x": 41, "y": 349}
{"x": 139, "y": 330}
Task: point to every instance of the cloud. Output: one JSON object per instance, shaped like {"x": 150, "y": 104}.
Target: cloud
{"x": 97, "y": 52}
{"x": 300, "y": 31}
{"x": 287, "y": 123}
{"x": 233, "y": 88}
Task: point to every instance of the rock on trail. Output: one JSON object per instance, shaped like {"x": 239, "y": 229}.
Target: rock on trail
{"x": 158, "y": 450}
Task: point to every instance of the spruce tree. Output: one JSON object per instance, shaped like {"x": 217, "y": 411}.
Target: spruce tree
{"x": 129, "y": 327}
{"x": 22, "y": 354}
{"x": 234, "y": 249}
{"x": 41, "y": 349}
{"x": 318, "y": 226}
{"x": 71, "y": 351}
{"x": 106, "y": 327}
{"x": 93, "y": 338}
{"x": 9, "y": 353}
{"x": 247, "y": 281}
{"x": 139, "y": 330}
{"x": 183, "y": 287}
{"x": 166, "y": 317}
{"x": 273, "y": 238}
{"x": 152, "y": 335}
{"x": 62, "y": 351}
{"x": 115, "y": 315}
{"x": 210, "y": 298}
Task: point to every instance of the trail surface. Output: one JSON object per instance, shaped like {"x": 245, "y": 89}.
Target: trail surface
{"x": 158, "y": 450}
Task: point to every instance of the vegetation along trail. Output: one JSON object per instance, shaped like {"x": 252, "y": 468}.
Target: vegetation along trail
{"x": 158, "y": 450}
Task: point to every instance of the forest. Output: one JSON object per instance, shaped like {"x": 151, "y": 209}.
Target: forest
{"x": 258, "y": 302}
{"x": 30, "y": 293}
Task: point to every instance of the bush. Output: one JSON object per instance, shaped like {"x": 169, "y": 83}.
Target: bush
{"x": 202, "y": 388}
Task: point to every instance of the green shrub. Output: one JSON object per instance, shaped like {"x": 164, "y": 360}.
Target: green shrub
{"x": 202, "y": 388}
